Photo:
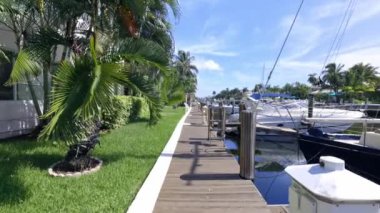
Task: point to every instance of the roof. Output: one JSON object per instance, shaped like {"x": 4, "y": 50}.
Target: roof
{"x": 333, "y": 183}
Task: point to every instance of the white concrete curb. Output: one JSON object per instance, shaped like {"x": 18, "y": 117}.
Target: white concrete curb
{"x": 145, "y": 199}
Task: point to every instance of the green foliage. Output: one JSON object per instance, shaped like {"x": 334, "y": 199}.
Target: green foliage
{"x": 139, "y": 108}
{"x": 80, "y": 90}
{"x": 296, "y": 89}
{"x": 24, "y": 67}
{"x": 136, "y": 109}
{"x": 3, "y": 56}
{"x": 358, "y": 82}
{"x": 118, "y": 115}
{"x": 227, "y": 94}
{"x": 186, "y": 71}
{"x": 172, "y": 89}
{"x": 123, "y": 110}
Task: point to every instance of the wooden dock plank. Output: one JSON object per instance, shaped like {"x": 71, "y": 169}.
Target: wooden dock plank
{"x": 204, "y": 177}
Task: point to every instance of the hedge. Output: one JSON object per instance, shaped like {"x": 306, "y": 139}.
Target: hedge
{"x": 124, "y": 109}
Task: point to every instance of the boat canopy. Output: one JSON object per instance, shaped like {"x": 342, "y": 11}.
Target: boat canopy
{"x": 259, "y": 96}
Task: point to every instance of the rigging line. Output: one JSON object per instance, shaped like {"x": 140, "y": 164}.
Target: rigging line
{"x": 283, "y": 44}
{"x": 339, "y": 44}
{"x": 337, "y": 34}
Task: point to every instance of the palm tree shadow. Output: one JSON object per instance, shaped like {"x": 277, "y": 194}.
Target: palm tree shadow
{"x": 12, "y": 188}
{"x": 12, "y": 191}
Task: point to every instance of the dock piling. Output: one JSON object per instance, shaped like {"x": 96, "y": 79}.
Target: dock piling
{"x": 247, "y": 144}
{"x": 222, "y": 122}
{"x": 217, "y": 122}
{"x": 310, "y": 106}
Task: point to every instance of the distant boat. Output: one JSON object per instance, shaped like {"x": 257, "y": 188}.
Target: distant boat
{"x": 290, "y": 115}
{"x": 361, "y": 152}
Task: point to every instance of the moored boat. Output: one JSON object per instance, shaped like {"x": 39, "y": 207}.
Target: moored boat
{"x": 361, "y": 152}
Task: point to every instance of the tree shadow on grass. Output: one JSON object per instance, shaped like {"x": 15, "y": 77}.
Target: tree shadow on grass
{"x": 114, "y": 157}
{"x": 12, "y": 188}
{"x": 12, "y": 191}
{"x": 139, "y": 120}
{"x": 110, "y": 158}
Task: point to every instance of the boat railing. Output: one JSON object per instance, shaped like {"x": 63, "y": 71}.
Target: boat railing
{"x": 345, "y": 120}
{"x": 364, "y": 121}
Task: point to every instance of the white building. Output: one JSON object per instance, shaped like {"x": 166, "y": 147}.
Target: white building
{"x": 17, "y": 113}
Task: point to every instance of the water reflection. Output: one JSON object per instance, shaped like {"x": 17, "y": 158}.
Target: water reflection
{"x": 273, "y": 155}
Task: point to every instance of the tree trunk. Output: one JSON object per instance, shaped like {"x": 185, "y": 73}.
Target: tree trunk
{"x": 34, "y": 98}
{"x": 67, "y": 34}
{"x": 45, "y": 73}
{"x": 33, "y": 95}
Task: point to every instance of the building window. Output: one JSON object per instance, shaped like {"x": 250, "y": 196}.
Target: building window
{"x": 6, "y": 92}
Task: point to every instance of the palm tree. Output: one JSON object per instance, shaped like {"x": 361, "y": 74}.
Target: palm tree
{"x": 314, "y": 80}
{"x": 360, "y": 78}
{"x": 183, "y": 63}
{"x": 186, "y": 70}
{"x": 84, "y": 87}
{"x": 332, "y": 77}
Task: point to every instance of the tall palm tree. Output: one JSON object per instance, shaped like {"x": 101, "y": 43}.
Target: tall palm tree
{"x": 183, "y": 63}
{"x": 359, "y": 79}
{"x": 332, "y": 77}
{"x": 314, "y": 80}
{"x": 364, "y": 75}
{"x": 187, "y": 71}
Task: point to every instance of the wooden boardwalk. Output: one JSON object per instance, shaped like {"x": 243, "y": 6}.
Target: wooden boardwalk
{"x": 203, "y": 177}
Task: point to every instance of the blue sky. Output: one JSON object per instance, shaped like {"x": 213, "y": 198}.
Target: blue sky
{"x": 233, "y": 40}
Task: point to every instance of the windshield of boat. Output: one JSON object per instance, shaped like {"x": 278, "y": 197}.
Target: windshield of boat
{"x": 293, "y": 105}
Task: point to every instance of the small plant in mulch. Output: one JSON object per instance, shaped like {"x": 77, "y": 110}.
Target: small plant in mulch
{"x": 78, "y": 159}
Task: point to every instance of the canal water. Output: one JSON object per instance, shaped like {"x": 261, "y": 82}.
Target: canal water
{"x": 272, "y": 156}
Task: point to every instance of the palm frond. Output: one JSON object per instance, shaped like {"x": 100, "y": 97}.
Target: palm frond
{"x": 23, "y": 67}
{"x": 80, "y": 91}
{"x": 138, "y": 84}
{"x": 172, "y": 91}
{"x": 6, "y": 7}
{"x": 174, "y": 5}
{"x": 3, "y": 56}
{"x": 177, "y": 97}
{"x": 140, "y": 60}
{"x": 143, "y": 48}
{"x": 40, "y": 44}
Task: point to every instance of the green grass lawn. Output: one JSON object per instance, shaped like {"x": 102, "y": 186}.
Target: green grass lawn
{"x": 128, "y": 154}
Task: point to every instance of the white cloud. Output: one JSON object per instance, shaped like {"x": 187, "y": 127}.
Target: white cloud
{"x": 326, "y": 10}
{"x": 214, "y": 39}
{"x": 187, "y": 5}
{"x": 366, "y": 55}
{"x": 317, "y": 28}
{"x": 245, "y": 77}
{"x": 365, "y": 9}
{"x": 209, "y": 49}
{"x": 207, "y": 65}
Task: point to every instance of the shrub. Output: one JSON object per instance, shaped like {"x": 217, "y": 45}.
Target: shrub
{"x": 124, "y": 109}
{"x": 135, "y": 109}
{"x": 119, "y": 115}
